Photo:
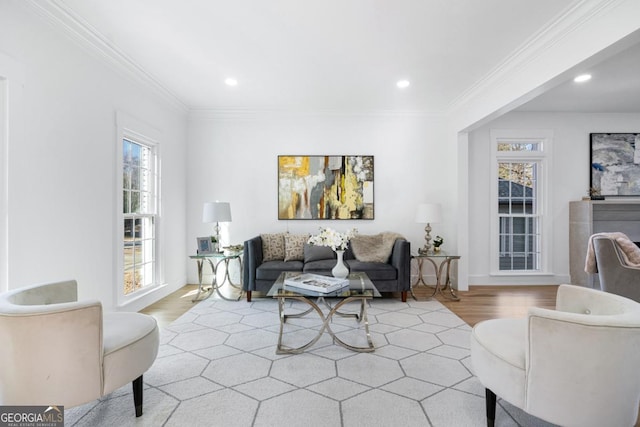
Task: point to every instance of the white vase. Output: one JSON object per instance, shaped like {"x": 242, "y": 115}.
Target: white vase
{"x": 340, "y": 270}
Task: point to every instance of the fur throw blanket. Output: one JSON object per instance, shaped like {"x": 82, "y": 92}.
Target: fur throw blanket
{"x": 373, "y": 248}
{"x": 630, "y": 252}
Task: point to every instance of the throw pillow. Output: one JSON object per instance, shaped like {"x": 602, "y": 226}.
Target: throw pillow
{"x": 375, "y": 248}
{"x": 317, "y": 253}
{"x": 294, "y": 246}
{"x": 272, "y": 247}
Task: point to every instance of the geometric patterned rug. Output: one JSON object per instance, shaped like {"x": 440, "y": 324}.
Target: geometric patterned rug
{"x": 217, "y": 366}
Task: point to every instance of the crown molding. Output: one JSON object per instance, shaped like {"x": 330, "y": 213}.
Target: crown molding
{"x": 62, "y": 17}
{"x": 230, "y": 114}
{"x": 565, "y": 23}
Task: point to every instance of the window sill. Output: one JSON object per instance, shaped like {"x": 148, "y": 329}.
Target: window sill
{"x": 136, "y": 296}
{"x": 519, "y": 273}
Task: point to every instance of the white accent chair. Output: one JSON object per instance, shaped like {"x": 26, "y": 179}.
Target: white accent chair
{"x": 578, "y": 365}
{"x": 55, "y": 350}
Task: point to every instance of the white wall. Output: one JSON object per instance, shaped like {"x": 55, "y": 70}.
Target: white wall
{"x": 234, "y": 158}
{"x": 588, "y": 34}
{"x": 62, "y": 166}
{"x": 569, "y": 180}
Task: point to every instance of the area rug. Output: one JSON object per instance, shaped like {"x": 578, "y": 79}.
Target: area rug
{"x": 218, "y": 366}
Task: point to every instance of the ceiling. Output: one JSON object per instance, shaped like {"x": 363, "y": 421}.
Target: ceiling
{"x": 332, "y": 54}
{"x": 613, "y": 88}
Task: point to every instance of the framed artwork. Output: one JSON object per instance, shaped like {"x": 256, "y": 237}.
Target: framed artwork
{"x": 325, "y": 187}
{"x": 615, "y": 164}
{"x": 205, "y": 246}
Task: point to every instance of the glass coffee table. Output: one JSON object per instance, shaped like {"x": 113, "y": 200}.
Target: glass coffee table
{"x": 360, "y": 289}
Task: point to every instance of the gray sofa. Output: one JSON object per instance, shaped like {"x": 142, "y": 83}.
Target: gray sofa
{"x": 391, "y": 276}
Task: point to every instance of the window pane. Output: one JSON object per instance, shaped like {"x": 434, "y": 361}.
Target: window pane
{"x": 126, "y": 177}
{"x": 135, "y": 178}
{"x": 137, "y": 228}
{"x": 126, "y": 152}
{"x": 135, "y": 202}
{"x": 135, "y": 154}
{"x": 126, "y": 200}
{"x": 128, "y": 229}
{"x": 129, "y": 281}
{"x": 517, "y": 225}
{"x": 519, "y": 146}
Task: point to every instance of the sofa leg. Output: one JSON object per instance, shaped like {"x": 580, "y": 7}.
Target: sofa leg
{"x": 137, "y": 395}
{"x": 404, "y": 296}
{"x": 248, "y": 296}
{"x": 491, "y": 407}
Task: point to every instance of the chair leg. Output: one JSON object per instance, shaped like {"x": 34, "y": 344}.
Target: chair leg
{"x": 491, "y": 407}
{"x": 248, "y": 296}
{"x": 137, "y": 395}
{"x": 403, "y": 296}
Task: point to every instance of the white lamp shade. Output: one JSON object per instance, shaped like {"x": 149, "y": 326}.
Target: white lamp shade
{"x": 429, "y": 213}
{"x": 216, "y": 212}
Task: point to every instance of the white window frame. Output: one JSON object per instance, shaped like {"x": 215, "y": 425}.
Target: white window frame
{"x": 139, "y": 132}
{"x": 542, "y": 158}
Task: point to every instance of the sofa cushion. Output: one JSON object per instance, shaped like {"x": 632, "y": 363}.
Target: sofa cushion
{"x": 294, "y": 246}
{"x": 375, "y": 270}
{"x": 270, "y": 270}
{"x": 373, "y": 248}
{"x": 272, "y": 247}
{"x": 322, "y": 266}
{"x": 317, "y": 253}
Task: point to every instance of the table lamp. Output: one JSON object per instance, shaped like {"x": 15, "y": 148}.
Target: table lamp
{"x": 216, "y": 212}
{"x": 428, "y": 213}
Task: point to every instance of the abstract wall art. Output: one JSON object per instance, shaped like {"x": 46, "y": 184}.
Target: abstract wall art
{"x": 325, "y": 187}
{"x": 615, "y": 164}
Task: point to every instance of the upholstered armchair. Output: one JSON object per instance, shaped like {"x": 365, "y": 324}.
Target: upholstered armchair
{"x": 573, "y": 366}
{"x": 55, "y": 350}
{"x": 616, "y": 273}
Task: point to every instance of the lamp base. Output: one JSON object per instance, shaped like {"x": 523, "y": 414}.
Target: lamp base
{"x": 216, "y": 244}
{"x": 427, "y": 241}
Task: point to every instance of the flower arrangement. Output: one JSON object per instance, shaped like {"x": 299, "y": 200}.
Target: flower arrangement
{"x": 437, "y": 241}
{"x": 333, "y": 239}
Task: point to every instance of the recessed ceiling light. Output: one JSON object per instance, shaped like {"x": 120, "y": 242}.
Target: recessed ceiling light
{"x": 231, "y": 82}
{"x": 582, "y": 78}
{"x": 403, "y": 83}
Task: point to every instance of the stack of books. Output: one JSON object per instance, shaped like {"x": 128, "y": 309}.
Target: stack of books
{"x": 316, "y": 283}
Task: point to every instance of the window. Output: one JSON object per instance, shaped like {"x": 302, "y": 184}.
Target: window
{"x": 139, "y": 215}
{"x": 518, "y": 235}
{"x": 518, "y": 216}
{"x": 138, "y": 221}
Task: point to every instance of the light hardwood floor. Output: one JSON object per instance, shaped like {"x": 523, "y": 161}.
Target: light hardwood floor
{"x": 479, "y": 303}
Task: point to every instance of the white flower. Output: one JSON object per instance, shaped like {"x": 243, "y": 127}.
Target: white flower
{"x": 333, "y": 239}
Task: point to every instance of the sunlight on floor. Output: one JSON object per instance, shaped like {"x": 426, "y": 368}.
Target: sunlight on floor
{"x": 510, "y": 305}
{"x": 190, "y": 294}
